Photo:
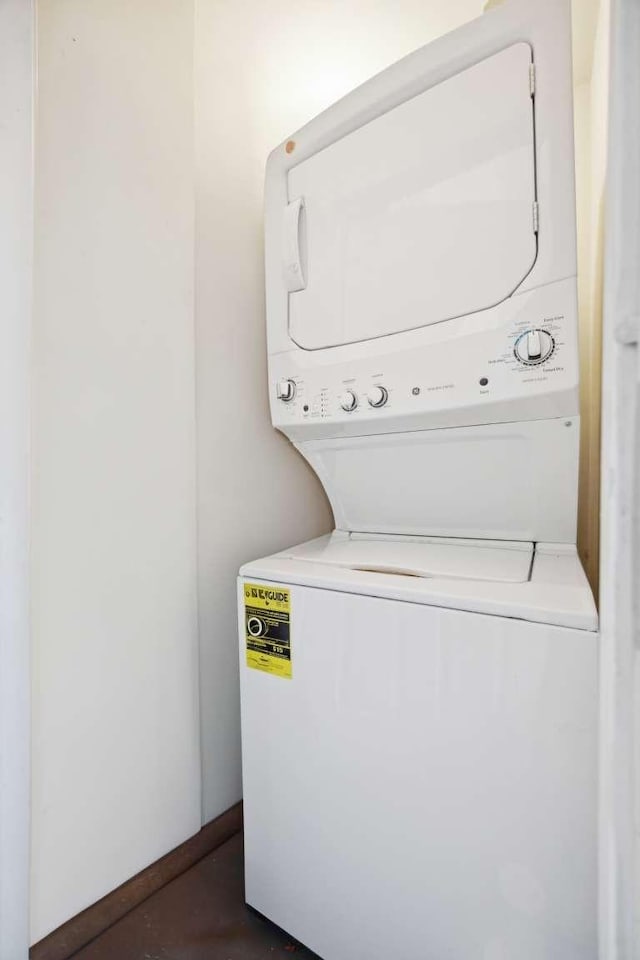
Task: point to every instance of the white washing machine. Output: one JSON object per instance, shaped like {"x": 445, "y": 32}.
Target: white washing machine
{"x": 419, "y": 689}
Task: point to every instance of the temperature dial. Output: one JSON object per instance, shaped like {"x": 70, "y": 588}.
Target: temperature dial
{"x": 285, "y": 390}
{"x": 377, "y": 396}
{"x": 348, "y": 401}
{"x": 534, "y": 347}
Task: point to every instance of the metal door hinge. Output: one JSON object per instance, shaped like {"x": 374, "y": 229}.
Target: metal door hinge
{"x": 536, "y": 218}
{"x": 532, "y": 79}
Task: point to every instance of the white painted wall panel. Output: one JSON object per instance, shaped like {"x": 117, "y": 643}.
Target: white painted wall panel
{"x": 116, "y": 749}
{"x": 616, "y": 160}
{"x": 16, "y": 246}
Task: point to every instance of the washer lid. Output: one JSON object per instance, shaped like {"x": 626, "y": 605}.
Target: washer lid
{"x": 556, "y": 592}
{"x": 419, "y": 216}
{"x": 499, "y": 561}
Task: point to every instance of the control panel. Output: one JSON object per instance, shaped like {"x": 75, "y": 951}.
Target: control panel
{"x": 455, "y": 374}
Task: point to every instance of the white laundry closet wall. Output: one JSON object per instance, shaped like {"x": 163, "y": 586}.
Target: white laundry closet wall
{"x": 116, "y": 763}
{"x": 16, "y": 248}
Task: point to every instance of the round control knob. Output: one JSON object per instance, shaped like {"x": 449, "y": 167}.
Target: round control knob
{"x": 348, "y": 401}
{"x": 285, "y": 390}
{"x": 533, "y": 347}
{"x": 378, "y": 396}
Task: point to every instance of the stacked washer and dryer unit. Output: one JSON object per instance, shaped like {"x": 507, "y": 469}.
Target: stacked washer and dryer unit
{"x": 419, "y": 688}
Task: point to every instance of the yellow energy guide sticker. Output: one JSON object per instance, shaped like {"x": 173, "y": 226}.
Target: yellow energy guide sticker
{"x": 267, "y": 628}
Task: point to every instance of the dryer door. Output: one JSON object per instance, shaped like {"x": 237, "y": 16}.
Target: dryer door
{"x": 421, "y": 215}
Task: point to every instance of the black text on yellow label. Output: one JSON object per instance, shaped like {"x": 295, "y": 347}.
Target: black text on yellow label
{"x": 267, "y": 627}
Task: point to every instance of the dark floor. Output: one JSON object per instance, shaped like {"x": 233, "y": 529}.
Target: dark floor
{"x": 199, "y": 916}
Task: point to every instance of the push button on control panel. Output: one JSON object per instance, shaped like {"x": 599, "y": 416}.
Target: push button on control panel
{"x": 534, "y": 347}
{"x": 378, "y": 396}
{"x": 285, "y": 390}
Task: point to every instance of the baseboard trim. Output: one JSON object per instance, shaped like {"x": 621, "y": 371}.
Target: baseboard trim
{"x": 76, "y": 933}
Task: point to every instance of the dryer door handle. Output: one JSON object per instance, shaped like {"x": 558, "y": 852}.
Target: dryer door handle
{"x": 293, "y": 245}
